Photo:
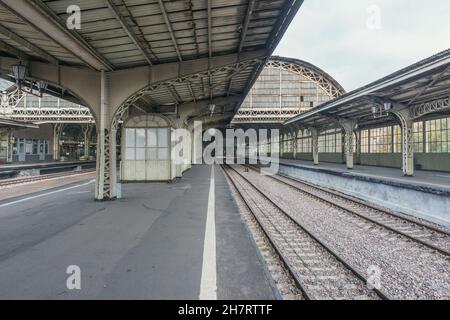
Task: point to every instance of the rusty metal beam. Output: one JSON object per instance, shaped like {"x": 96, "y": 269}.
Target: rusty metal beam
{"x": 37, "y": 14}
{"x": 250, "y": 7}
{"x": 128, "y": 30}
{"x": 209, "y": 28}
{"x": 169, "y": 27}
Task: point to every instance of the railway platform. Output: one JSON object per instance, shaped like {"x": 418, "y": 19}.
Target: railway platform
{"x": 161, "y": 241}
{"x": 426, "y": 195}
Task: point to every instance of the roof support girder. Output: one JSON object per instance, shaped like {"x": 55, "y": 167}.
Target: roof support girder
{"x": 21, "y": 41}
{"x": 13, "y": 51}
{"x": 169, "y": 27}
{"x": 141, "y": 46}
{"x": 40, "y": 17}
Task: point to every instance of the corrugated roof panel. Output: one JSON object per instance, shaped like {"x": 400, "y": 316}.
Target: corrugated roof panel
{"x": 103, "y": 32}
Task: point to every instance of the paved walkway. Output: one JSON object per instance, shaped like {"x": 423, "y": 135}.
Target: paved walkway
{"x": 149, "y": 245}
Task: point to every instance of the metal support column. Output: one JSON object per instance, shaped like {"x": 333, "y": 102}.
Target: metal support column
{"x": 87, "y": 132}
{"x": 358, "y": 146}
{"x": 315, "y": 144}
{"x": 9, "y": 155}
{"x": 105, "y": 188}
{"x": 349, "y": 127}
{"x": 407, "y": 149}
{"x": 294, "y": 142}
{"x": 113, "y": 164}
{"x": 406, "y": 123}
{"x": 281, "y": 144}
{"x": 57, "y": 131}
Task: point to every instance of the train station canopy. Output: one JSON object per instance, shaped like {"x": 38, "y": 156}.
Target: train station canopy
{"x": 422, "y": 88}
{"x": 122, "y": 34}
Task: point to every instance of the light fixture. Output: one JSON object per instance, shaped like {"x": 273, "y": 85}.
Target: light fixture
{"x": 374, "y": 109}
{"x": 41, "y": 85}
{"x": 387, "y": 106}
{"x": 19, "y": 71}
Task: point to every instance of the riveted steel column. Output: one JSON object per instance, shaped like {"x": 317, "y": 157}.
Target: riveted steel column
{"x": 406, "y": 123}
{"x": 9, "y": 156}
{"x": 349, "y": 127}
{"x": 358, "y": 146}
{"x": 57, "y": 130}
{"x": 112, "y": 164}
{"x": 408, "y": 150}
{"x": 315, "y": 144}
{"x": 87, "y": 132}
{"x": 102, "y": 182}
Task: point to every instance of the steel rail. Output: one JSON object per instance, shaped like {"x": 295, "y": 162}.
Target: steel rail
{"x": 287, "y": 265}
{"x": 379, "y": 292}
{"x": 420, "y": 225}
{"x": 10, "y": 182}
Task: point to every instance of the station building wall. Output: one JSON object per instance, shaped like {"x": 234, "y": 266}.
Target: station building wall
{"x": 390, "y": 160}
{"x": 33, "y": 145}
{"x": 422, "y": 161}
{"x": 380, "y": 146}
{"x": 433, "y": 161}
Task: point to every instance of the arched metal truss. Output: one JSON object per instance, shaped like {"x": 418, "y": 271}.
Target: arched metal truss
{"x": 327, "y": 89}
{"x": 19, "y": 105}
{"x": 422, "y": 109}
{"x": 212, "y": 83}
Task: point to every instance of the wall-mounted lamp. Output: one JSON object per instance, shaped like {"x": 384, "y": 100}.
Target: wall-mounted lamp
{"x": 19, "y": 71}
{"x": 41, "y": 86}
{"x": 374, "y": 110}
{"x": 380, "y": 111}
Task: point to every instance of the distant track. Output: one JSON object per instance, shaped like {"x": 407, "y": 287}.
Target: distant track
{"x": 16, "y": 181}
{"x": 425, "y": 234}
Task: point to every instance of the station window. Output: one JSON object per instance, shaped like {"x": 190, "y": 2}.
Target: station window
{"x": 418, "y": 137}
{"x": 283, "y": 143}
{"x": 389, "y": 139}
{"x": 276, "y": 144}
{"x": 365, "y": 141}
{"x": 437, "y": 135}
{"x": 397, "y": 139}
{"x": 304, "y": 142}
{"x": 381, "y": 140}
{"x": 146, "y": 144}
{"x": 322, "y": 143}
{"x": 290, "y": 143}
{"x": 338, "y": 147}
{"x": 330, "y": 141}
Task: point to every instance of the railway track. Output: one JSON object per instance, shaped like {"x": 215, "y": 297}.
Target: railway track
{"x": 16, "y": 181}
{"x": 318, "y": 271}
{"x": 432, "y": 237}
